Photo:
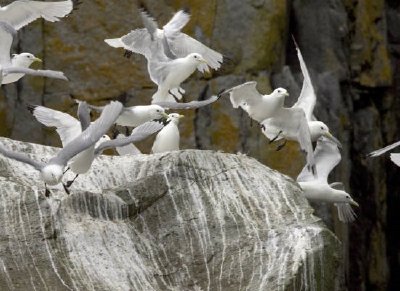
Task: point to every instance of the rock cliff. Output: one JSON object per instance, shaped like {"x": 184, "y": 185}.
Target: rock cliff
{"x": 187, "y": 220}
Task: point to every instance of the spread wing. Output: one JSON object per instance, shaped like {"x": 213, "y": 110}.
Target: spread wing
{"x": 139, "y": 133}
{"x": 383, "y": 150}
{"x": 307, "y": 98}
{"x": 91, "y": 135}
{"x": 188, "y": 105}
{"x": 7, "y": 34}
{"x": 395, "y": 159}
{"x": 327, "y": 156}
{"x": 128, "y": 149}
{"x": 21, "y": 157}
{"x": 245, "y": 94}
{"x": 40, "y": 73}
{"x": 83, "y": 114}
{"x": 22, "y": 12}
{"x": 68, "y": 127}
{"x": 293, "y": 123}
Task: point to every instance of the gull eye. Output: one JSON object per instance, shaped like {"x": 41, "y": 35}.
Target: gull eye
{"x": 158, "y": 110}
{"x": 322, "y": 127}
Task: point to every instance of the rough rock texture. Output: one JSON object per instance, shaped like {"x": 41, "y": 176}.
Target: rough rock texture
{"x": 189, "y": 220}
{"x": 352, "y": 49}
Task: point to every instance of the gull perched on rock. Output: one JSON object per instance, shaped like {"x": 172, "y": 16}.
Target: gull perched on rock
{"x": 12, "y": 70}
{"x": 22, "y": 12}
{"x": 168, "y": 138}
{"x": 395, "y": 157}
{"x": 259, "y": 107}
{"x": 172, "y": 56}
{"x": 327, "y": 156}
{"x": 52, "y": 171}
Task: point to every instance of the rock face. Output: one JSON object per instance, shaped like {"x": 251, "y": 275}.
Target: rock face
{"x": 188, "y": 220}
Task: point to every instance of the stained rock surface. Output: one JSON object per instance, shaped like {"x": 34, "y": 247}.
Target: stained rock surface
{"x": 186, "y": 220}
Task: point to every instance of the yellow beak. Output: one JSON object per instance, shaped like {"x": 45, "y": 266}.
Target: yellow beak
{"x": 181, "y": 116}
{"x": 37, "y": 60}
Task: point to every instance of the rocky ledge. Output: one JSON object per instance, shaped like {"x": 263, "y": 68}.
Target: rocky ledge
{"x": 187, "y": 220}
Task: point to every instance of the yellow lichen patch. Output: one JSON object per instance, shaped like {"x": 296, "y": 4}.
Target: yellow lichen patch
{"x": 224, "y": 134}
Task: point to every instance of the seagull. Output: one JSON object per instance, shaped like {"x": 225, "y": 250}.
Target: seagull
{"x": 393, "y": 156}
{"x": 69, "y": 128}
{"x": 171, "y": 55}
{"x": 168, "y": 138}
{"x": 327, "y": 156}
{"x": 12, "y": 70}
{"x": 259, "y": 107}
{"x": 52, "y": 171}
{"x": 136, "y": 115}
{"x": 22, "y": 12}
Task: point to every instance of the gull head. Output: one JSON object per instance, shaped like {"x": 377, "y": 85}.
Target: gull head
{"x": 52, "y": 174}
{"x": 104, "y": 138}
{"x": 157, "y": 112}
{"x": 282, "y": 92}
{"x": 174, "y": 117}
{"x": 24, "y": 60}
{"x": 197, "y": 58}
{"x": 318, "y": 129}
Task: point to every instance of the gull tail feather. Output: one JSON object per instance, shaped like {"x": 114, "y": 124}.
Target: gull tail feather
{"x": 345, "y": 212}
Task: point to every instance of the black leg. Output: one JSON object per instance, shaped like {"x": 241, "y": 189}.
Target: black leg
{"x": 169, "y": 91}
{"x": 274, "y": 139}
{"x": 66, "y": 189}
{"x": 69, "y": 183}
{"x": 66, "y": 171}
{"x": 127, "y": 133}
{"x": 181, "y": 92}
{"x": 47, "y": 191}
{"x": 281, "y": 146}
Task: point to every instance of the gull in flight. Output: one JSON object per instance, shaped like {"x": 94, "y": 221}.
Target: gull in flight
{"x": 259, "y": 107}
{"x": 327, "y": 156}
{"x": 128, "y": 150}
{"x": 69, "y": 128}
{"x": 12, "y": 70}
{"x": 395, "y": 157}
{"x": 22, "y": 12}
{"x": 136, "y": 115}
{"x": 52, "y": 171}
{"x": 172, "y": 56}
{"x": 168, "y": 138}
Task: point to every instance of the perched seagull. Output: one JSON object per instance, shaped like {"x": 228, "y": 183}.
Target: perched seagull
{"x": 52, "y": 171}
{"x": 136, "y": 115}
{"x": 258, "y": 107}
{"x": 168, "y": 138}
{"x": 393, "y": 156}
{"x": 22, "y": 12}
{"x": 12, "y": 70}
{"x": 327, "y": 156}
{"x": 171, "y": 56}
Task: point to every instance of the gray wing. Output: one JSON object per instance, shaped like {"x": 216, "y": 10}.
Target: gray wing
{"x": 139, "y": 133}
{"x": 83, "y": 114}
{"x": 383, "y": 150}
{"x": 293, "y": 123}
{"x": 188, "y": 105}
{"x": 327, "y": 156}
{"x": 22, "y": 12}
{"x": 128, "y": 149}
{"x": 149, "y": 23}
{"x": 244, "y": 94}
{"x": 41, "y": 73}
{"x": 159, "y": 70}
{"x": 7, "y": 34}
{"x": 307, "y": 98}
{"x": 91, "y": 135}
{"x": 68, "y": 127}
{"x": 21, "y": 158}
{"x": 181, "y": 44}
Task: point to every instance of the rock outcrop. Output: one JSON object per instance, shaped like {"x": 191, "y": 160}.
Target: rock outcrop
{"x": 187, "y": 220}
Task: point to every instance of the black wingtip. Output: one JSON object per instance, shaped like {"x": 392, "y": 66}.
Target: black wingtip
{"x": 294, "y": 41}
{"x": 186, "y": 10}
{"x": 115, "y": 133}
{"x": 31, "y": 107}
{"x": 127, "y": 54}
{"x": 221, "y": 92}
{"x": 76, "y": 4}
{"x": 142, "y": 7}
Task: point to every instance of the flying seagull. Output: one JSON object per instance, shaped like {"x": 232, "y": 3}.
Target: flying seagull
{"x": 52, "y": 171}
{"x": 22, "y": 12}
{"x": 327, "y": 156}
{"x": 395, "y": 157}
{"x": 259, "y": 107}
{"x": 171, "y": 56}
{"x": 12, "y": 70}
